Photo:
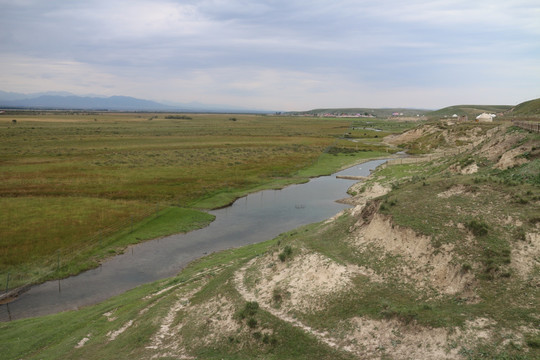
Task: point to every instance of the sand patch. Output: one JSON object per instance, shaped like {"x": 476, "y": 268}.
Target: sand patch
{"x": 150, "y": 296}
{"x": 410, "y": 135}
{"x": 217, "y": 316}
{"x": 112, "y": 335}
{"x": 495, "y": 147}
{"x": 365, "y": 193}
{"x": 374, "y": 339}
{"x": 304, "y": 283}
{"x": 167, "y": 339}
{"x": 83, "y": 341}
{"x": 509, "y": 220}
{"x": 455, "y": 191}
{"x": 422, "y": 264}
{"x": 471, "y": 169}
{"x": 279, "y": 313}
{"x": 109, "y": 315}
{"x": 526, "y": 255}
{"x": 513, "y": 157}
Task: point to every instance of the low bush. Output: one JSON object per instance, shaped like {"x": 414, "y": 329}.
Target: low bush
{"x": 478, "y": 228}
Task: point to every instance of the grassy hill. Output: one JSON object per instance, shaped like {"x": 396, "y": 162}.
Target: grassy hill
{"x": 527, "y": 108}
{"x": 470, "y": 110}
{"x": 379, "y": 113}
{"x": 438, "y": 259}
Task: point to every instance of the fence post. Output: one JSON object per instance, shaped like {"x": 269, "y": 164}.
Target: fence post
{"x": 58, "y": 262}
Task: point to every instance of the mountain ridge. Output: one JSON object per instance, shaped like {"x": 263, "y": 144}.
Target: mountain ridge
{"x": 68, "y": 101}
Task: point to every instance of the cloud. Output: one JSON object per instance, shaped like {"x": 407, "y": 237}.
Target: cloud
{"x": 239, "y": 50}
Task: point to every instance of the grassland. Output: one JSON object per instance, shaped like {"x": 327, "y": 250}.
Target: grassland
{"x": 528, "y": 108}
{"x": 71, "y": 182}
{"x": 383, "y": 296}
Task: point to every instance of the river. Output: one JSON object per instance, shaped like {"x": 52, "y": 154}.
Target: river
{"x": 254, "y": 218}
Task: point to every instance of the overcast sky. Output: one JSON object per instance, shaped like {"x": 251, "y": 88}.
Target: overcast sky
{"x": 276, "y": 55}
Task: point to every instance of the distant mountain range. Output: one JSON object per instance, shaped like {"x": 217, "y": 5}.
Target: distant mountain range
{"x": 68, "y": 101}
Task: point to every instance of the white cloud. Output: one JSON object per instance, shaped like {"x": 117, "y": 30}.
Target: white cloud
{"x": 272, "y": 54}
{"x": 27, "y": 74}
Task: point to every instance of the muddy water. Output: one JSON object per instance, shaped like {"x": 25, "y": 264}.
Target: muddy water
{"x": 251, "y": 219}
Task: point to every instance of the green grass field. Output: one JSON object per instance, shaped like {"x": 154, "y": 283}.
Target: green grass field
{"x": 70, "y": 181}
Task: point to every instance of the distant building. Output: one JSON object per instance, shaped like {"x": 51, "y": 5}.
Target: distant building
{"x": 485, "y": 117}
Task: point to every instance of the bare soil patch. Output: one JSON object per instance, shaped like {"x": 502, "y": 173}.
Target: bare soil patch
{"x": 526, "y": 255}
{"x": 422, "y": 264}
{"x": 303, "y": 283}
{"x": 374, "y": 339}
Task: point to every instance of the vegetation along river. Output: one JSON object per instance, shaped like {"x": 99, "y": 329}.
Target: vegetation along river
{"x": 254, "y": 218}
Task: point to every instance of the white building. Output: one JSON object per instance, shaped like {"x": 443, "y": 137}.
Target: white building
{"x": 485, "y": 117}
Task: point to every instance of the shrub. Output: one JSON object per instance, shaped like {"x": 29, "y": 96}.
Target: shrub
{"x": 466, "y": 267}
{"x": 249, "y": 310}
{"x": 478, "y": 228}
{"x": 287, "y": 251}
{"x": 521, "y": 235}
{"x": 251, "y": 307}
{"x": 179, "y": 117}
{"x": 534, "y": 342}
{"x": 276, "y": 295}
{"x": 252, "y": 323}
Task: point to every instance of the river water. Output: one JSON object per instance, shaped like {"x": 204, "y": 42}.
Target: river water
{"x": 254, "y": 218}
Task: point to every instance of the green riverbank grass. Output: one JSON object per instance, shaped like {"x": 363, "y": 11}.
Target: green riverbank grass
{"x": 72, "y": 258}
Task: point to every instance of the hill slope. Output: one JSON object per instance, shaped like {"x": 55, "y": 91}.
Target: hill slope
{"x": 438, "y": 259}
{"x": 379, "y": 113}
{"x": 470, "y": 110}
{"x": 527, "y": 108}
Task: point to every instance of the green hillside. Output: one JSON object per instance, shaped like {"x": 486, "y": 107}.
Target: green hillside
{"x": 470, "y": 110}
{"x": 380, "y": 113}
{"x": 527, "y": 108}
